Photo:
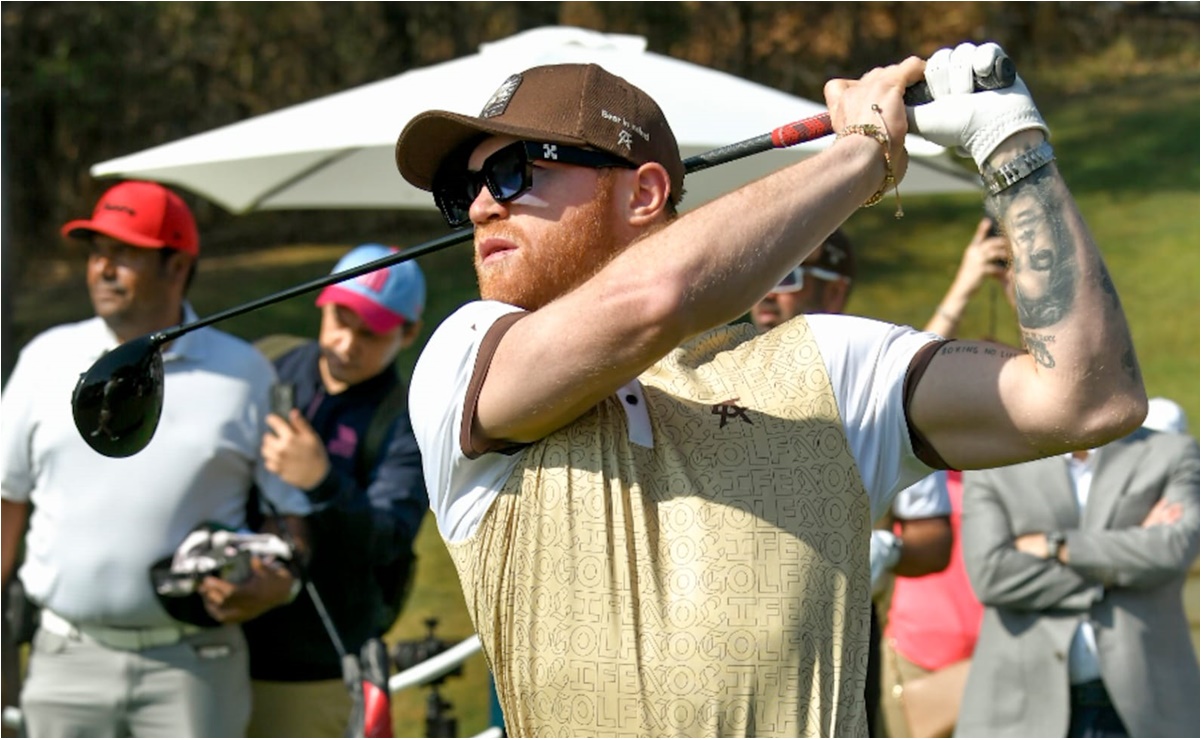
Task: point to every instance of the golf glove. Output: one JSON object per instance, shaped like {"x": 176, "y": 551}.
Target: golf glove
{"x": 975, "y": 123}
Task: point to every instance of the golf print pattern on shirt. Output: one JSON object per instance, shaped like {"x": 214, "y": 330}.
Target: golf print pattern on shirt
{"x": 714, "y": 585}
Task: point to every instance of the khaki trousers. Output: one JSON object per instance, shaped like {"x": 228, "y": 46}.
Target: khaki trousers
{"x": 895, "y": 671}
{"x": 197, "y": 687}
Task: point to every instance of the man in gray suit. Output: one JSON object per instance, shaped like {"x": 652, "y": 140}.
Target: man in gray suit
{"x": 1080, "y": 560}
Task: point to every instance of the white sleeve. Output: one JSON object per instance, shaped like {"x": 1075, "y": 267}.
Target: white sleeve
{"x": 867, "y": 361}
{"x": 926, "y": 498}
{"x": 16, "y": 400}
{"x": 460, "y": 489}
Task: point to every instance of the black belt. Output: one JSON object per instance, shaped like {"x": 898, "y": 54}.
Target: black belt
{"x": 1090, "y": 694}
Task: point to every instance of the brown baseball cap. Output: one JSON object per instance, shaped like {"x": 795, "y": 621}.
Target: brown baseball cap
{"x": 574, "y": 104}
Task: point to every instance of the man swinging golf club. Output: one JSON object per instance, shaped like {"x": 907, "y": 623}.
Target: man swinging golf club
{"x": 605, "y": 459}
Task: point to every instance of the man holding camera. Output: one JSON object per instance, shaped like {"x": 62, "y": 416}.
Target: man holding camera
{"x": 348, "y": 444}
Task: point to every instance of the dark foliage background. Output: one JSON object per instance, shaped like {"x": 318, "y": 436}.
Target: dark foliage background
{"x": 86, "y": 82}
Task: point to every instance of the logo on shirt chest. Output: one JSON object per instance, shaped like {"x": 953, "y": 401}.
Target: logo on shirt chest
{"x": 728, "y": 412}
{"x": 344, "y": 443}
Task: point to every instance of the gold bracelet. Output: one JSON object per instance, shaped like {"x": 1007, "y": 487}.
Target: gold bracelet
{"x": 880, "y": 134}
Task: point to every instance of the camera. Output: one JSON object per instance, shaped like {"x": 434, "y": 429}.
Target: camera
{"x": 438, "y": 723}
{"x": 414, "y": 652}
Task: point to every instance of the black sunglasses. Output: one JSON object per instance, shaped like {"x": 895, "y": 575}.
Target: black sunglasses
{"x": 508, "y": 172}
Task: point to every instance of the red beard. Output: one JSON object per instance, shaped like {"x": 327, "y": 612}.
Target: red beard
{"x": 568, "y": 256}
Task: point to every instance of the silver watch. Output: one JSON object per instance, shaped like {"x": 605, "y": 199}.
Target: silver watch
{"x": 1055, "y": 540}
{"x": 1018, "y": 168}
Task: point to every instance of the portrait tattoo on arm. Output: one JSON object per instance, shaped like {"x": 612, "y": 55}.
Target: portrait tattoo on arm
{"x": 1044, "y": 255}
{"x": 1044, "y": 260}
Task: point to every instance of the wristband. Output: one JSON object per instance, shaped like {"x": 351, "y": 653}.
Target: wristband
{"x": 1018, "y": 168}
{"x": 880, "y": 134}
{"x": 873, "y": 131}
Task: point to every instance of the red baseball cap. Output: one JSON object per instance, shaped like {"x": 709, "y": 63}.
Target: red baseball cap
{"x": 144, "y": 214}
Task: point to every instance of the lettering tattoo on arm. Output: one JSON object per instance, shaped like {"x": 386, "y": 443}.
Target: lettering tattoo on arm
{"x": 986, "y": 350}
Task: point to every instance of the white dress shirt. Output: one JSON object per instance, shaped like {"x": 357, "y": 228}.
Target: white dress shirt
{"x": 1083, "y": 664}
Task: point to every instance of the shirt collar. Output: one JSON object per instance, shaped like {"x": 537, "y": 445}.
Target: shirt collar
{"x": 188, "y": 345}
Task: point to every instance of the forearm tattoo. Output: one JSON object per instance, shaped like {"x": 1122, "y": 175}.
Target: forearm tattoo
{"x": 1044, "y": 253}
{"x": 1045, "y": 267}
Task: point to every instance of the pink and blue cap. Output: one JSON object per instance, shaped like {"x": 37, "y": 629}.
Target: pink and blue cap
{"x": 384, "y": 298}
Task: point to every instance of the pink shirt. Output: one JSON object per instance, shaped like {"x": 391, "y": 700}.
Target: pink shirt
{"x": 934, "y": 619}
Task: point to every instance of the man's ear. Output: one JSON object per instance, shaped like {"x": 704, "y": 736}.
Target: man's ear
{"x": 649, "y": 194}
{"x": 178, "y": 266}
{"x": 409, "y": 333}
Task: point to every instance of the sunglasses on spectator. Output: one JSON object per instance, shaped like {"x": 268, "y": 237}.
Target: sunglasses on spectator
{"x": 794, "y": 281}
{"x": 507, "y": 173}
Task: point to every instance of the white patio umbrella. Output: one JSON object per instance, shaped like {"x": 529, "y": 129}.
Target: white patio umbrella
{"x": 337, "y": 151}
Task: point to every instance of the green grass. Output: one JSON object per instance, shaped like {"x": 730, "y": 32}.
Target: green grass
{"x": 1129, "y": 151}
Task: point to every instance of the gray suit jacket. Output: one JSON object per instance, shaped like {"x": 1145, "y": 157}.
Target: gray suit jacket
{"x": 1125, "y": 579}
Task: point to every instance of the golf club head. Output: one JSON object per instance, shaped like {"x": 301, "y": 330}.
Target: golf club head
{"x": 118, "y": 401}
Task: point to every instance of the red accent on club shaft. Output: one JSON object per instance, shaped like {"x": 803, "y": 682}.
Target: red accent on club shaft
{"x": 806, "y": 129}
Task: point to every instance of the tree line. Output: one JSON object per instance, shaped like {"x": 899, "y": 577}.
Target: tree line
{"x": 86, "y": 81}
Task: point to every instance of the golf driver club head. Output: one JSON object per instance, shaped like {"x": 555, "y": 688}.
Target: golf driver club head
{"x": 118, "y": 401}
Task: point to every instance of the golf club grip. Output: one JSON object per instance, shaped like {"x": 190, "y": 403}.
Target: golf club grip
{"x": 1002, "y": 75}
{"x": 790, "y": 134}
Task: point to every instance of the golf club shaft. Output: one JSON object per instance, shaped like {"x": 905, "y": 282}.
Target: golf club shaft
{"x": 787, "y": 135}
{"x": 455, "y": 237}
{"x": 790, "y": 134}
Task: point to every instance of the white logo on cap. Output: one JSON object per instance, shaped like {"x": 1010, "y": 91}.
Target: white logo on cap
{"x": 499, "y": 101}
{"x": 624, "y": 139}
{"x": 550, "y": 151}
{"x": 835, "y": 254}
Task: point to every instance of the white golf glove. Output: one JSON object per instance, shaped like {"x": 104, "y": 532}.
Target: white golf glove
{"x": 975, "y": 123}
{"x": 885, "y": 552}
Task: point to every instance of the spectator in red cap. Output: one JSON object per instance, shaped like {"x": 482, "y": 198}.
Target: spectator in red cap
{"x": 110, "y": 658}
{"x": 348, "y": 444}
